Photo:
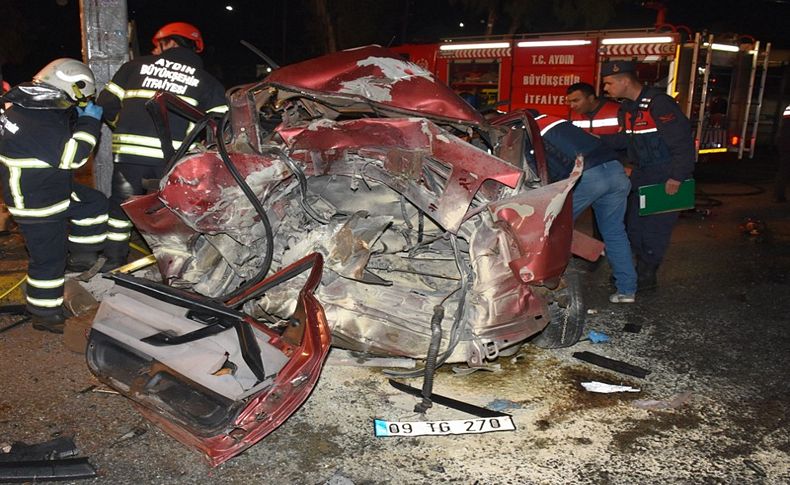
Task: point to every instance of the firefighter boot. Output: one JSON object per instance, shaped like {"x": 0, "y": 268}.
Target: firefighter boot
{"x": 78, "y": 262}
{"x": 53, "y": 322}
{"x": 646, "y": 276}
{"x": 116, "y": 254}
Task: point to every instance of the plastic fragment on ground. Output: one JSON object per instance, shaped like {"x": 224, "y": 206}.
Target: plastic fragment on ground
{"x": 673, "y": 403}
{"x": 611, "y": 364}
{"x": 465, "y": 371}
{"x": 597, "y": 337}
{"x": 503, "y": 405}
{"x": 604, "y": 388}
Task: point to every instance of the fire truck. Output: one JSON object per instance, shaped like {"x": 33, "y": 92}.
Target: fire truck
{"x": 718, "y": 81}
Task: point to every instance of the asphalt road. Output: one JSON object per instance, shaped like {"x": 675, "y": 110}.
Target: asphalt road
{"x": 714, "y": 336}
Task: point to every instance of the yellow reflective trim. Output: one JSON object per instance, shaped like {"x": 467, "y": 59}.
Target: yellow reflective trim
{"x": 41, "y": 212}
{"x": 24, "y": 162}
{"x": 46, "y": 303}
{"x": 141, "y": 151}
{"x": 114, "y": 236}
{"x": 713, "y": 150}
{"x": 75, "y": 197}
{"x": 99, "y": 238}
{"x": 80, "y": 163}
{"x": 115, "y": 89}
{"x": 14, "y": 183}
{"x": 86, "y": 137}
{"x": 146, "y": 141}
{"x": 68, "y": 154}
{"x": 91, "y": 221}
{"x": 150, "y": 93}
{"x": 46, "y": 284}
{"x": 118, "y": 223}
{"x": 218, "y": 109}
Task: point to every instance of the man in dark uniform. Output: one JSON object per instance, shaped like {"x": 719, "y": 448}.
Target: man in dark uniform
{"x": 658, "y": 137}
{"x": 783, "y": 147}
{"x": 603, "y": 185}
{"x": 176, "y": 68}
{"x": 589, "y": 112}
{"x": 44, "y": 135}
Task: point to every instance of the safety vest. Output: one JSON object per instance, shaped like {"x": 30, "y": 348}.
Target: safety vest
{"x": 178, "y": 71}
{"x": 38, "y": 150}
{"x": 601, "y": 121}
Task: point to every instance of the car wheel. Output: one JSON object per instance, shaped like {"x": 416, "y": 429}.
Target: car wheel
{"x": 566, "y": 314}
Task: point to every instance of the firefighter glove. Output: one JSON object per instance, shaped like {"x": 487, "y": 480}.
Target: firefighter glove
{"x": 91, "y": 109}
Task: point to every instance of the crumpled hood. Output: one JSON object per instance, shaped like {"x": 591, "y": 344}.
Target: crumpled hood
{"x": 381, "y": 77}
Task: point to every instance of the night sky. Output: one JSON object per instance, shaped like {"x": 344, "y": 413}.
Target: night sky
{"x": 285, "y": 30}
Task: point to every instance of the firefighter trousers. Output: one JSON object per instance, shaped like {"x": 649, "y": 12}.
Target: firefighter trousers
{"x": 81, "y": 228}
{"x": 127, "y": 180}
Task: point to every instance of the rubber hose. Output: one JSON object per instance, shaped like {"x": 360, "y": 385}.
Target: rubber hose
{"x": 430, "y": 360}
{"x": 256, "y": 204}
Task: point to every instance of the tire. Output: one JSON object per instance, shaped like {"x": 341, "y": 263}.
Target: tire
{"x": 566, "y": 314}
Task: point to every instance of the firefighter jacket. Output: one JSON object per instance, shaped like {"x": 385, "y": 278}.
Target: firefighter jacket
{"x": 657, "y": 135}
{"x": 178, "y": 71}
{"x": 600, "y": 121}
{"x": 783, "y": 138}
{"x": 38, "y": 150}
{"x": 563, "y": 142}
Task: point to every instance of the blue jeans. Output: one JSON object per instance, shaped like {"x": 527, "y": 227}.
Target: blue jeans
{"x": 605, "y": 187}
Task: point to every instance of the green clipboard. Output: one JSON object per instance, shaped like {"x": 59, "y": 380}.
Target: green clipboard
{"x": 653, "y": 199}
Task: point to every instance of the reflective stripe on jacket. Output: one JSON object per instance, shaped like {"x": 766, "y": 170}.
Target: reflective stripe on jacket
{"x": 178, "y": 71}
{"x": 38, "y": 150}
{"x": 601, "y": 121}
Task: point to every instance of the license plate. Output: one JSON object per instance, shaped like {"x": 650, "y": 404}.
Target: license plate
{"x": 460, "y": 426}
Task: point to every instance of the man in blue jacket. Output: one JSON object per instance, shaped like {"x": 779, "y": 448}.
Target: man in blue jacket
{"x": 603, "y": 185}
{"x": 658, "y": 137}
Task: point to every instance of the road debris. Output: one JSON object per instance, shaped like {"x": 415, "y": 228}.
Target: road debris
{"x": 604, "y": 388}
{"x": 52, "y": 460}
{"x": 611, "y": 364}
{"x": 673, "y": 403}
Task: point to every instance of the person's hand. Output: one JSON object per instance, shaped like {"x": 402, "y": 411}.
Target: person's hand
{"x": 91, "y": 109}
{"x": 671, "y": 186}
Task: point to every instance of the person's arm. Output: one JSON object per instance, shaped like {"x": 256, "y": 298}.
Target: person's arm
{"x": 76, "y": 150}
{"x": 675, "y": 130}
{"x": 618, "y": 141}
{"x": 111, "y": 97}
{"x": 215, "y": 101}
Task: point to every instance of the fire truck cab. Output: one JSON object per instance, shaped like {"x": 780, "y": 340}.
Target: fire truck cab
{"x": 715, "y": 80}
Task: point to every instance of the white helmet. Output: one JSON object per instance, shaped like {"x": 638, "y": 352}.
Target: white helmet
{"x": 70, "y": 76}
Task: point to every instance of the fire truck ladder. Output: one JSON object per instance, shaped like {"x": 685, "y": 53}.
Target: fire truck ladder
{"x": 696, "y": 102}
{"x": 752, "y": 120}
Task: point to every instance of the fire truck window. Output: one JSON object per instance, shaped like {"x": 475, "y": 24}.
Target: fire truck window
{"x": 476, "y": 81}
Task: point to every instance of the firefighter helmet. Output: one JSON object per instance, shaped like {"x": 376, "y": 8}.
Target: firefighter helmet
{"x": 70, "y": 76}
{"x": 180, "y": 29}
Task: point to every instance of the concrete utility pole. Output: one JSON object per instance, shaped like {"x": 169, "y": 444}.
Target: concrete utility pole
{"x": 105, "y": 46}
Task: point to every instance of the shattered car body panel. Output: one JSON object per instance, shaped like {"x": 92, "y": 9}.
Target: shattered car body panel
{"x": 220, "y": 392}
{"x": 411, "y": 197}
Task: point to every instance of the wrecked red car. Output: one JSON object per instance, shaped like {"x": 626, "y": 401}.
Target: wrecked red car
{"x": 420, "y": 209}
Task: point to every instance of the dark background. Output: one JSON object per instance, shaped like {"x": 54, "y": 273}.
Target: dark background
{"x": 36, "y": 31}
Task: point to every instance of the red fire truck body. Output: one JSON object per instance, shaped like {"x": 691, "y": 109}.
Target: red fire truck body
{"x": 535, "y": 70}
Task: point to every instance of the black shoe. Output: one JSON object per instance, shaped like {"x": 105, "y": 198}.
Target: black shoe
{"x": 54, "y": 323}
{"x": 646, "y": 276}
{"x": 112, "y": 264}
{"x": 79, "y": 262}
